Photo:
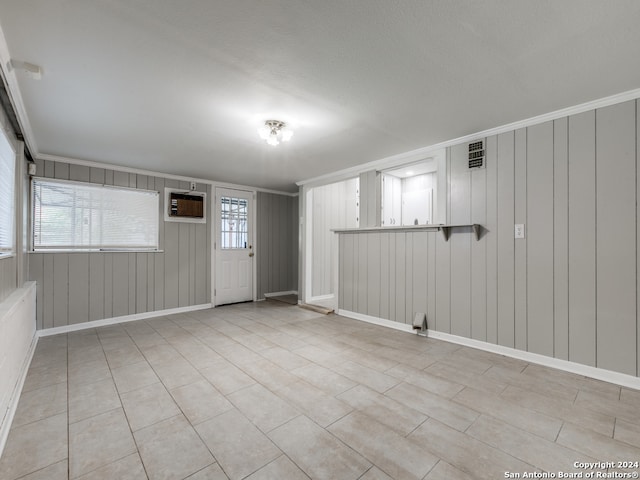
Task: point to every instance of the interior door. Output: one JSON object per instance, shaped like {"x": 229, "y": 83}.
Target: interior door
{"x": 233, "y": 246}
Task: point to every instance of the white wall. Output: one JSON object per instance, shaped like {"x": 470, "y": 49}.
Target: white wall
{"x": 333, "y": 206}
{"x": 17, "y": 340}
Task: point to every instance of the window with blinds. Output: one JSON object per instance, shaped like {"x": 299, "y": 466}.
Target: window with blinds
{"x": 7, "y": 196}
{"x": 83, "y": 216}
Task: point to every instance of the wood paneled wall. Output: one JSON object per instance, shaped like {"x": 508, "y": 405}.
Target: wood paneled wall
{"x": 7, "y": 276}
{"x": 276, "y": 243}
{"x": 568, "y": 290}
{"x": 370, "y": 187}
{"x": 334, "y": 206}
{"x": 80, "y": 287}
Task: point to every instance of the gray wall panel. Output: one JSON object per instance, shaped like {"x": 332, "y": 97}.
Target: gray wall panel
{"x": 141, "y": 289}
{"x": 121, "y": 179}
{"x": 171, "y": 265}
{"x": 80, "y": 173}
{"x": 616, "y": 238}
{"x": 460, "y": 242}
{"x": 96, "y": 287}
{"x": 420, "y": 265}
{"x": 540, "y": 234}
{"x": 348, "y": 283}
{"x": 183, "y": 264}
{"x": 561, "y": 237}
{"x": 385, "y": 275}
{"x": 362, "y": 255}
{"x": 108, "y": 285}
{"x": 60, "y": 289}
{"x": 400, "y": 261}
{"x": 47, "y": 288}
{"x": 431, "y": 279}
{"x": 96, "y": 175}
{"x": 505, "y": 240}
{"x": 393, "y": 282}
{"x": 443, "y": 285}
{"x": 461, "y": 283}
{"x": 582, "y": 239}
{"x": 479, "y": 256}
{"x": 78, "y": 287}
{"x": 49, "y": 169}
{"x": 61, "y": 170}
{"x": 200, "y": 249}
{"x": 131, "y": 264}
{"x": 120, "y": 284}
{"x": 158, "y": 259}
{"x": 491, "y": 238}
{"x": 373, "y": 275}
{"x": 408, "y": 275}
{"x": 276, "y": 255}
{"x": 520, "y": 211}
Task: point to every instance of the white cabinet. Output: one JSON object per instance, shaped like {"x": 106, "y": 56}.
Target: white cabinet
{"x": 407, "y": 201}
{"x": 417, "y": 207}
{"x": 391, "y": 201}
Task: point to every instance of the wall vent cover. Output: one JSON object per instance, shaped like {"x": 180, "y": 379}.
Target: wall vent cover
{"x": 476, "y": 154}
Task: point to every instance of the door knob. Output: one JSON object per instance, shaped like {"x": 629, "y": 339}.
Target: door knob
{"x": 251, "y": 254}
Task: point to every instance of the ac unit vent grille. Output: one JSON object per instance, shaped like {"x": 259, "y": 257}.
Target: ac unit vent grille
{"x": 476, "y": 154}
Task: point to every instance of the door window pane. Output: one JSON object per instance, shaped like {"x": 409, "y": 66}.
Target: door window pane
{"x": 233, "y": 228}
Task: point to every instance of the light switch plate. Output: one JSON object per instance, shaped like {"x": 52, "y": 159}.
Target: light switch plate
{"x": 519, "y": 230}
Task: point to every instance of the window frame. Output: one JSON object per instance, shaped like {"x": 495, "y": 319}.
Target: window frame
{"x": 90, "y": 249}
{"x": 10, "y": 251}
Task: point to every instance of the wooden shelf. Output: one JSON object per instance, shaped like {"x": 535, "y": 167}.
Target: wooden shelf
{"x": 445, "y": 229}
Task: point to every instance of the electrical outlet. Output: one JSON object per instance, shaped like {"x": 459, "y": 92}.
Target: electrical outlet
{"x": 519, "y": 230}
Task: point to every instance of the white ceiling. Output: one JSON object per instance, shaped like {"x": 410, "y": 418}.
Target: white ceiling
{"x": 180, "y": 87}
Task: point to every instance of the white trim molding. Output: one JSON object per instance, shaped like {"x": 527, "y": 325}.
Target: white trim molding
{"x": 122, "y": 319}
{"x": 564, "y": 365}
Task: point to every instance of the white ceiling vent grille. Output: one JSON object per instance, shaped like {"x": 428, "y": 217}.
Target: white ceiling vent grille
{"x": 476, "y": 154}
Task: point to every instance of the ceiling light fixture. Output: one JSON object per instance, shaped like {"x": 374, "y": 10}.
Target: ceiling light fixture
{"x": 275, "y": 131}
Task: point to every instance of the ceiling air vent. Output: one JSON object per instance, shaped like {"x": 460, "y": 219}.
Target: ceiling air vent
{"x": 476, "y": 154}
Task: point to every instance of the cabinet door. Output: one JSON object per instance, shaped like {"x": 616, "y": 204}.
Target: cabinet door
{"x": 387, "y": 200}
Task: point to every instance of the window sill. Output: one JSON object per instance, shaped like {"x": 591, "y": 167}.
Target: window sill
{"x": 7, "y": 255}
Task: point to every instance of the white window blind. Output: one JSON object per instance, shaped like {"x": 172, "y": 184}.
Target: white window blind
{"x": 7, "y": 195}
{"x": 83, "y": 216}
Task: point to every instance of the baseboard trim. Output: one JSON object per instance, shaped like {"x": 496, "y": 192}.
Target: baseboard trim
{"x": 621, "y": 379}
{"x": 124, "y": 318}
{"x": 15, "y": 396}
{"x": 375, "y": 320}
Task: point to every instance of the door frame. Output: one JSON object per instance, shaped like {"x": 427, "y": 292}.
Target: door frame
{"x": 214, "y": 237}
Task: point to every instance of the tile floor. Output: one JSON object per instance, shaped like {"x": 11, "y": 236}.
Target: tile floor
{"x": 270, "y": 391}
